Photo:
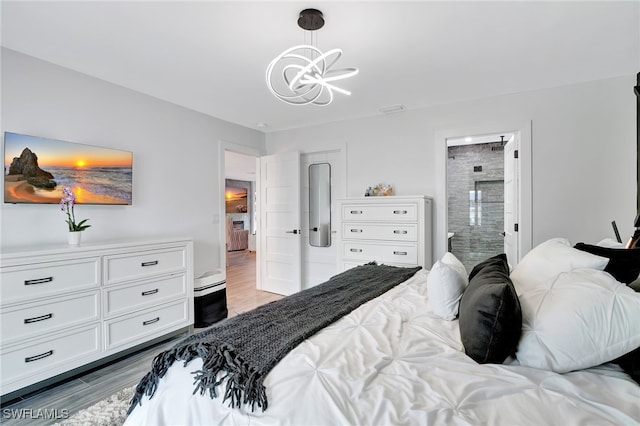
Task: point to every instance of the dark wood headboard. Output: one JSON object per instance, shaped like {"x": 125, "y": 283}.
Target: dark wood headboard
{"x": 637, "y": 92}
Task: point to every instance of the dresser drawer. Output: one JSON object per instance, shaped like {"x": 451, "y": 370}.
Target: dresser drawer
{"x": 136, "y": 328}
{"x": 139, "y": 265}
{"x": 42, "y": 280}
{"x": 50, "y": 355}
{"x": 25, "y": 322}
{"x": 367, "y": 231}
{"x": 382, "y": 253}
{"x": 345, "y": 265}
{"x": 126, "y": 298}
{"x": 404, "y": 212}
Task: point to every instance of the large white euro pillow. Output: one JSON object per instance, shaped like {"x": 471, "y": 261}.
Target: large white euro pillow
{"x": 455, "y": 263}
{"x": 446, "y": 283}
{"x": 549, "y": 259}
{"x": 579, "y": 319}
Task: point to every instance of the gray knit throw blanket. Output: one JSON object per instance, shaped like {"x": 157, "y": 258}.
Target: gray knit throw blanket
{"x": 246, "y": 347}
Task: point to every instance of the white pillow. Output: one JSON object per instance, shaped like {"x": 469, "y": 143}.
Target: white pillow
{"x": 451, "y": 260}
{"x": 446, "y": 283}
{"x": 610, "y": 243}
{"x": 549, "y": 259}
{"x": 577, "y": 320}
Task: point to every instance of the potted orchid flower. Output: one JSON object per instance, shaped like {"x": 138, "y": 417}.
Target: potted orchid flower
{"x": 67, "y": 204}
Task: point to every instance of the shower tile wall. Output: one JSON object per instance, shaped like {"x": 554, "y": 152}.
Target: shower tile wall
{"x": 475, "y": 184}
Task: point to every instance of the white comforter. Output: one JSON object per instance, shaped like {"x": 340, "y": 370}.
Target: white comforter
{"x": 391, "y": 362}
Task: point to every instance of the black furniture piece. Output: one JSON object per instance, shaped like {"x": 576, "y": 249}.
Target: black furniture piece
{"x": 210, "y": 300}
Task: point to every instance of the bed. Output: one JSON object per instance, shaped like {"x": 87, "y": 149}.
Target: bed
{"x": 402, "y": 359}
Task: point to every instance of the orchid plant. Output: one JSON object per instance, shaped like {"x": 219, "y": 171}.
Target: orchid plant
{"x": 66, "y": 205}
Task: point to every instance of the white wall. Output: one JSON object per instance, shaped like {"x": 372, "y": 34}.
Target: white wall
{"x": 583, "y": 145}
{"x": 582, "y": 141}
{"x": 175, "y": 157}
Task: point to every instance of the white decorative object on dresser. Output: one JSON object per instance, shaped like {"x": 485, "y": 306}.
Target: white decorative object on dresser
{"x": 394, "y": 230}
{"x": 63, "y": 308}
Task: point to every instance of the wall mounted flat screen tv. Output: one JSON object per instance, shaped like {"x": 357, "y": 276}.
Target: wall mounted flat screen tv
{"x": 236, "y": 200}
{"x": 36, "y": 169}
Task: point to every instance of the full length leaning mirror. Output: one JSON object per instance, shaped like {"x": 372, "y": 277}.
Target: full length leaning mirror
{"x": 320, "y": 205}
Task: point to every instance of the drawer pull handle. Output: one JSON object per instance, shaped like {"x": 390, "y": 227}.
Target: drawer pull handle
{"x": 151, "y": 321}
{"x": 152, "y": 263}
{"x": 36, "y": 319}
{"x": 356, "y": 212}
{"x": 356, "y": 230}
{"x": 356, "y": 250}
{"x": 399, "y": 212}
{"x": 37, "y": 357}
{"x": 38, "y": 281}
{"x": 150, "y": 292}
{"x": 399, "y": 232}
{"x": 400, "y": 253}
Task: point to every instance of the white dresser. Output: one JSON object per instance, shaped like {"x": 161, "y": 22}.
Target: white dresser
{"x": 64, "y": 307}
{"x": 394, "y": 230}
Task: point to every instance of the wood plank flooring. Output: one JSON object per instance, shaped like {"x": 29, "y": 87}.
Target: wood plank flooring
{"x": 242, "y": 295}
{"x": 80, "y": 392}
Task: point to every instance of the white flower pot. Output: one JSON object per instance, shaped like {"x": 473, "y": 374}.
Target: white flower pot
{"x": 74, "y": 238}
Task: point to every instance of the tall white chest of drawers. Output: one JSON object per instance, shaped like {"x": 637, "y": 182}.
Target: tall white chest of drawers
{"x": 394, "y": 230}
{"x": 63, "y": 308}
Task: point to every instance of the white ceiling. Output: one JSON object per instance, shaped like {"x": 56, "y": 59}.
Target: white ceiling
{"x": 239, "y": 166}
{"x": 478, "y": 139}
{"x": 211, "y": 56}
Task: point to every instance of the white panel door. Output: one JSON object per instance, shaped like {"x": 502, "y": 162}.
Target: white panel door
{"x": 280, "y": 242}
{"x": 511, "y": 200}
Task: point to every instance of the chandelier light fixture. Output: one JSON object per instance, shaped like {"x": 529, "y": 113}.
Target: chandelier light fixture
{"x": 303, "y": 74}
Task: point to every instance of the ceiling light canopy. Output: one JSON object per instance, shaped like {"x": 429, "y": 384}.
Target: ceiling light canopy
{"x": 303, "y": 74}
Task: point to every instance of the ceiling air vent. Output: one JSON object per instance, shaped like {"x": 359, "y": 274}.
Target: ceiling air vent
{"x": 391, "y": 109}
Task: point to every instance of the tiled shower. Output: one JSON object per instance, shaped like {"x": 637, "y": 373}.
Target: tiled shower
{"x": 475, "y": 187}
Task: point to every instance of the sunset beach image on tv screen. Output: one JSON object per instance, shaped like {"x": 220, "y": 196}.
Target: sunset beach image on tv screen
{"x": 236, "y": 200}
{"x": 36, "y": 169}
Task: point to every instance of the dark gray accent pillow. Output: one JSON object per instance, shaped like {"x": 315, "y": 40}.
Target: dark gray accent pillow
{"x": 490, "y": 316}
{"x": 630, "y": 363}
{"x": 624, "y": 264}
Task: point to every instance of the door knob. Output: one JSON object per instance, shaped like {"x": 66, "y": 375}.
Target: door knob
{"x": 295, "y": 231}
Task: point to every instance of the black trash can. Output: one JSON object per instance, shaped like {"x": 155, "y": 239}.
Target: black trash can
{"x": 210, "y": 299}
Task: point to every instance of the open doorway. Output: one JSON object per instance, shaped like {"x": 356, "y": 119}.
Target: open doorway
{"x": 240, "y": 211}
{"x": 476, "y": 196}
{"x": 520, "y": 200}
{"x": 239, "y": 229}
